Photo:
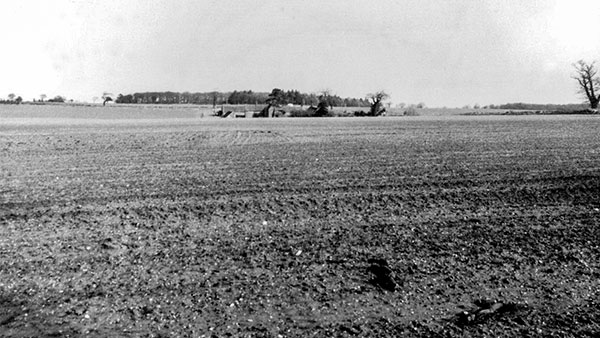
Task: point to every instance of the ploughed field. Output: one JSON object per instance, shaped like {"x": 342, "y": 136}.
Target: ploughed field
{"x": 368, "y": 227}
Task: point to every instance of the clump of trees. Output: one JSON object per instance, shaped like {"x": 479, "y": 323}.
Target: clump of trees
{"x": 376, "y": 99}
{"x": 322, "y": 108}
{"x": 125, "y": 99}
{"x": 274, "y": 100}
{"x": 586, "y": 75}
{"x": 58, "y": 98}
{"x": 12, "y": 99}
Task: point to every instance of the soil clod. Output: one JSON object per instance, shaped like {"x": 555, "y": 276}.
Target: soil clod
{"x": 486, "y": 310}
{"x": 383, "y": 276}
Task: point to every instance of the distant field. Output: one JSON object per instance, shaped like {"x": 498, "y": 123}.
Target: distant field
{"x": 110, "y": 112}
{"x": 130, "y": 111}
{"x": 155, "y": 222}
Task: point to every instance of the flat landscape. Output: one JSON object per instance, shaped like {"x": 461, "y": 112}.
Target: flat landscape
{"x": 124, "y": 222}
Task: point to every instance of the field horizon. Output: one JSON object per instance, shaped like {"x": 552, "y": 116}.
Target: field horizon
{"x": 166, "y": 111}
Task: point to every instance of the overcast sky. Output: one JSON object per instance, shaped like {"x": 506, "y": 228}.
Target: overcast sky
{"x": 443, "y": 53}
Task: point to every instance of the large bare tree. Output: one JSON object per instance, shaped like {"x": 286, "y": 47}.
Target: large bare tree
{"x": 586, "y": 75}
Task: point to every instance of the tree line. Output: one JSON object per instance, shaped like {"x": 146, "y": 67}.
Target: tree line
{"x": 215, "y": 98}
{"x": 14, "y": 99}
{"x": 534, "y": 106}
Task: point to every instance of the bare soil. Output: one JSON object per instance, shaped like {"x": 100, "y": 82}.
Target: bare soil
{"x": 358, "y": 227}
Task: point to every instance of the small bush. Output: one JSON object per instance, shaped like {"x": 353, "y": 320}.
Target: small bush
{"x": 411, "y": 111}
{"x": 301, "y": 113}
{"x": 314, "y": 113}
{"x": 343, "y": 113}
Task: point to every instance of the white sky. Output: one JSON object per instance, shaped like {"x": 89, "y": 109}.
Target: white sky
{"x": 444, "y": 53}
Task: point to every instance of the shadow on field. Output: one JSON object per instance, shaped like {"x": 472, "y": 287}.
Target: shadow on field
{"x": 19, "y": 319}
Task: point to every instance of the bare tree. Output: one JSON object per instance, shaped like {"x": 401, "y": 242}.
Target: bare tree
{"x": 375, "y": 101}
{"x": 586, "y": 75}
{"x": 42, "y": 97}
